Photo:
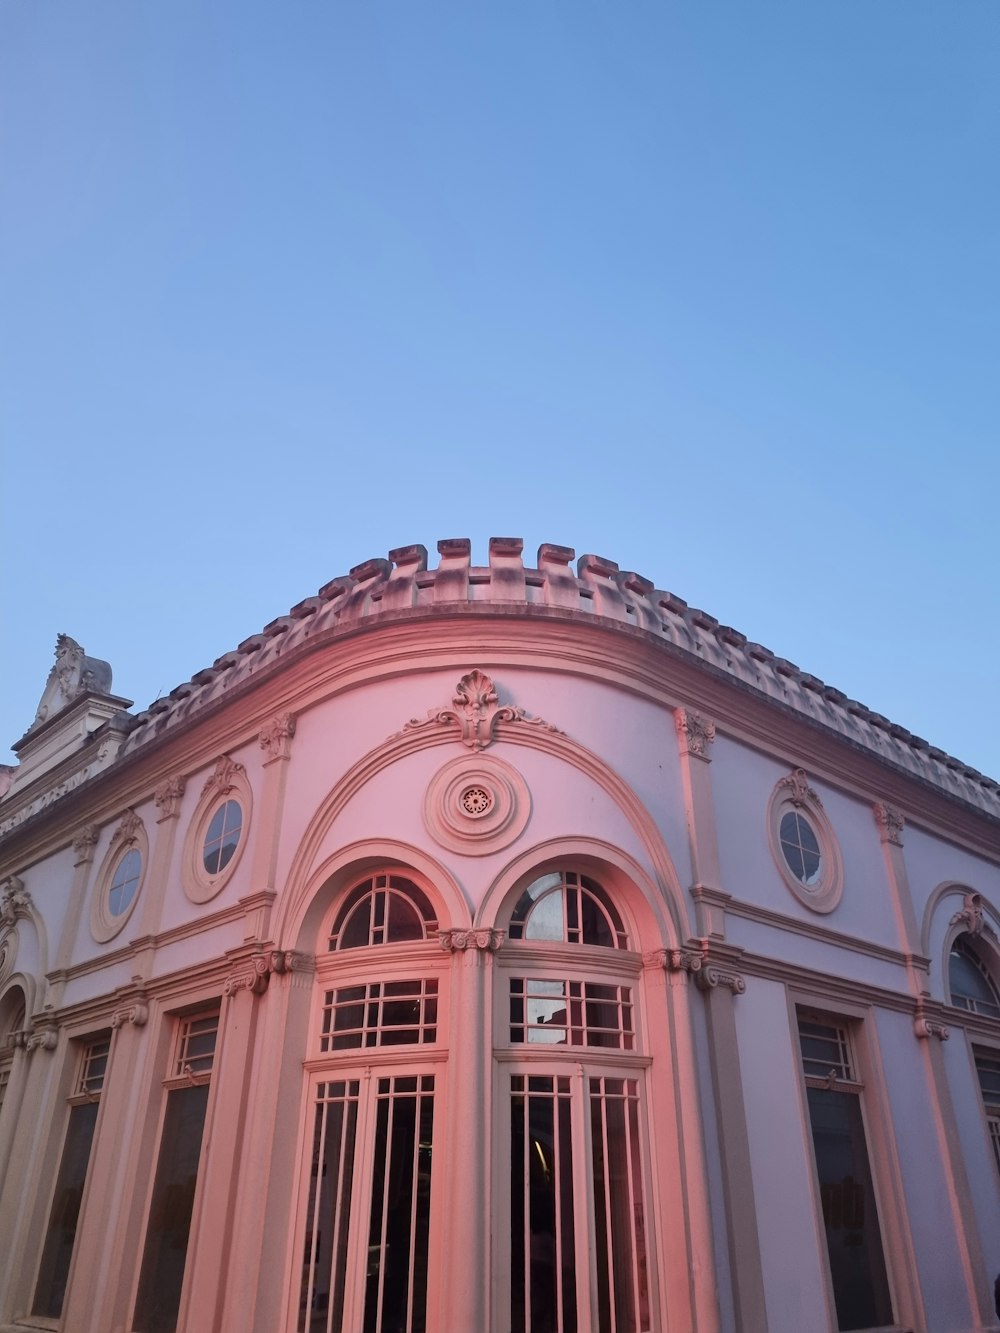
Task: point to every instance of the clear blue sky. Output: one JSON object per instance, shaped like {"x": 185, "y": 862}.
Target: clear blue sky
{"x": 709, "y": 288}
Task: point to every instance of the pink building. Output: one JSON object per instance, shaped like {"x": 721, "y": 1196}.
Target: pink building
{"x": 491, "y": 949}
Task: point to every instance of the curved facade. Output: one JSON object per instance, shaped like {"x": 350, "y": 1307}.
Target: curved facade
{"x": 495, "y": 949}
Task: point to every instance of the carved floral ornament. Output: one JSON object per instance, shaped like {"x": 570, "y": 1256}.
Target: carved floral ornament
{"x": 276, "y": 737}
{"x": 476, "y": 711}
{"x": 695, "y": 732}
{"x": 254, "y": 973}
{"x": 127, "y": 832}
{"x": 705, "y": 971}
{"x": 971, "y": 918}
{"x": 167, "y": 797}
{"x": 224, "y": 777}
{"x": 481, "y": 941}
{"x": 890, "y": 823}
{"x": 796, "y": 790}
{"x": 85, "y": 842}
{"x": 15, "y": 901}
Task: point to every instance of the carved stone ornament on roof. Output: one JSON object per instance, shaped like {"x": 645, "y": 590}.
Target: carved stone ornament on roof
{"x": 221, "y": 779}
{"x": 476, "y": 712}
{"x": 167, "y": 798}
{"x": 890, "y": 823}
{"x": 127, "y": 829}
{"x": 276, "y": 736}
{"x": 695, "y": 731}
{"x": 971, "y": 918}
{"x": 84, "y": 844}
{"x": 798, "y": 790}
{"x": 15, "y": 901}
{"x": 73, "y": 674}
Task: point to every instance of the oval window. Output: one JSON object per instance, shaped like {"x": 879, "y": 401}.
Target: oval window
{"x": 222, "y": 837}
{"x": 800, "y": 847}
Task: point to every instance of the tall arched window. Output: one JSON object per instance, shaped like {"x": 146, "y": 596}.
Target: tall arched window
{"x": 368, "y": 1213}
{"x": 569, "y": 1044}
{"x": 969, "y": 980}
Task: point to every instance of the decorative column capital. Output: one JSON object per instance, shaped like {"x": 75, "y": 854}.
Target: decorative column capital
{"x": 695, "y": 733}
{"x": 276, "y": 737}
{"x": 137, "y": 1014}
{"x": 674, "y": 960}
{"x": 44, "y": 1037}
{"x": 254, "y": 973}
{"x": 167, "y": 798}
{"x": 84, "y": 844}
{"x": 925, "y": 1026}
{"x": 128, "y": 828}
{"x": 711, "y": 976}
{"x": 482, "y": 941}
{"x": 890, "y": 821}
{"x": 15, "y": 900}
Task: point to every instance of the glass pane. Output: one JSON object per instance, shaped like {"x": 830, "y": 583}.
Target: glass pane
{"x": 222, "y": 837}
{"x": 622, "y": 1282}
{"x": 853, "y": 1240}
{"x": 331, "y": 1184}
{"x": 124, "y": 883}
{"x": 543, "y": 1254}
{"x": 969, "y": 983}
{"x": 396, "y": 1285}
{"x": 800, "y": 847}
{"x": 165, "y": 1253}
{"x": 61, "y": 1233}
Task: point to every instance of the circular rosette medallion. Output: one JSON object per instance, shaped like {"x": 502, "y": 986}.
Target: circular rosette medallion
{"x": 476, "y": 805}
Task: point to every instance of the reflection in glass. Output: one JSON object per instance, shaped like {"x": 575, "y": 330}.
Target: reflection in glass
{"x": 223, "y": 837}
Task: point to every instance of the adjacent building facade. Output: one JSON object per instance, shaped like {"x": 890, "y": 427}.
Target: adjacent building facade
{"x": 492, "y": 949}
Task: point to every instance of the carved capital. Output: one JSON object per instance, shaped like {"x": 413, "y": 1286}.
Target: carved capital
{"x": 695, "y": 733}
{"x": 971, "y": 918}
{"x": 797, "y": 790}
{"x": 221, "y": 781}
{"x": 127, "y": 830}
{"x": 712, "y": 976}
{"x": 15, "y": 900}
{"x": 890, "y": 823}
{"x": 925, "y": 1027}
{"x": 674, "y": 960}
{"x": 484, "y": 941}
{"x": 276, "y": 737}
{"x": 476, "y": 711}
{"x": 84, "y": 844}
{"x": 137, "y": 1014}
{"x": 254, "y": 973}
{"x": 41, "y": 1039}
{"x": 167, "y": 798}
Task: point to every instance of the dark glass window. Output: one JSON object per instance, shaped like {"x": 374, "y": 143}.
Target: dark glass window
{"x": 800, "y": 847}
{"x": 60, "y": 1234}
{"x": 567, "y": 908}
{"x": 847, "y": 1194}
{"x": 161, "y": 1276}
{"x": 223, "y": 837}
{"x": 970, "y": 983}
{"x": 124, "y": 882}
{"x": 384, "y": 910}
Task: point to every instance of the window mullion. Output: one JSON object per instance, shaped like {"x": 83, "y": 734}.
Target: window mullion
{"x": 583, "y": 1201}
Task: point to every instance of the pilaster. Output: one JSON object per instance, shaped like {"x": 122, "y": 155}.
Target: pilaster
{"x": 695, "y": 736}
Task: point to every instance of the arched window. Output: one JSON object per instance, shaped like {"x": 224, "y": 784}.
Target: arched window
{"x": 969, "y": 980}
{"x": 575, "y": 1254}
{"x": 10, "y": 1022}
{"x": 369, "y": 1198}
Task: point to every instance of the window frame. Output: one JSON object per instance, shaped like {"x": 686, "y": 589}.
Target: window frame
{"x": 129, "y": 836}
{"x": 979, "y": 952}
{"x": 227, "y": 782}
{"x": 794, "y": 795}
{"x": 869, "y": 1086}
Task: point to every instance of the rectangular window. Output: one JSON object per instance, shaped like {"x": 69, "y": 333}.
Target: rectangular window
{"x": 384, "y": 1241}
{"x": 161, "y": 1276}
{"x": 575, "y": 1013}
{"x": 60, "y": 1235}
{"x": 988, "y": 1070}
{"x": 381, "y": 1013}
{"x": 847, "y": 1194}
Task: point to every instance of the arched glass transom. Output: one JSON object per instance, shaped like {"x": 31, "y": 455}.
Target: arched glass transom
{"x": 567, "y": 908}
{"x": 969, "y": 981}
{"x": 386, "y": 909}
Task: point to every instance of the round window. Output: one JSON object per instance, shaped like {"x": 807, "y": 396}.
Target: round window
{"x": 222, "y": 837}
{"x": 124, "y": 883}
{"x": 800, "y": 848}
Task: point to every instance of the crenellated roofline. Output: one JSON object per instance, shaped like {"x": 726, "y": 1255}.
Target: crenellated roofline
{"x": 597, "y": 591}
